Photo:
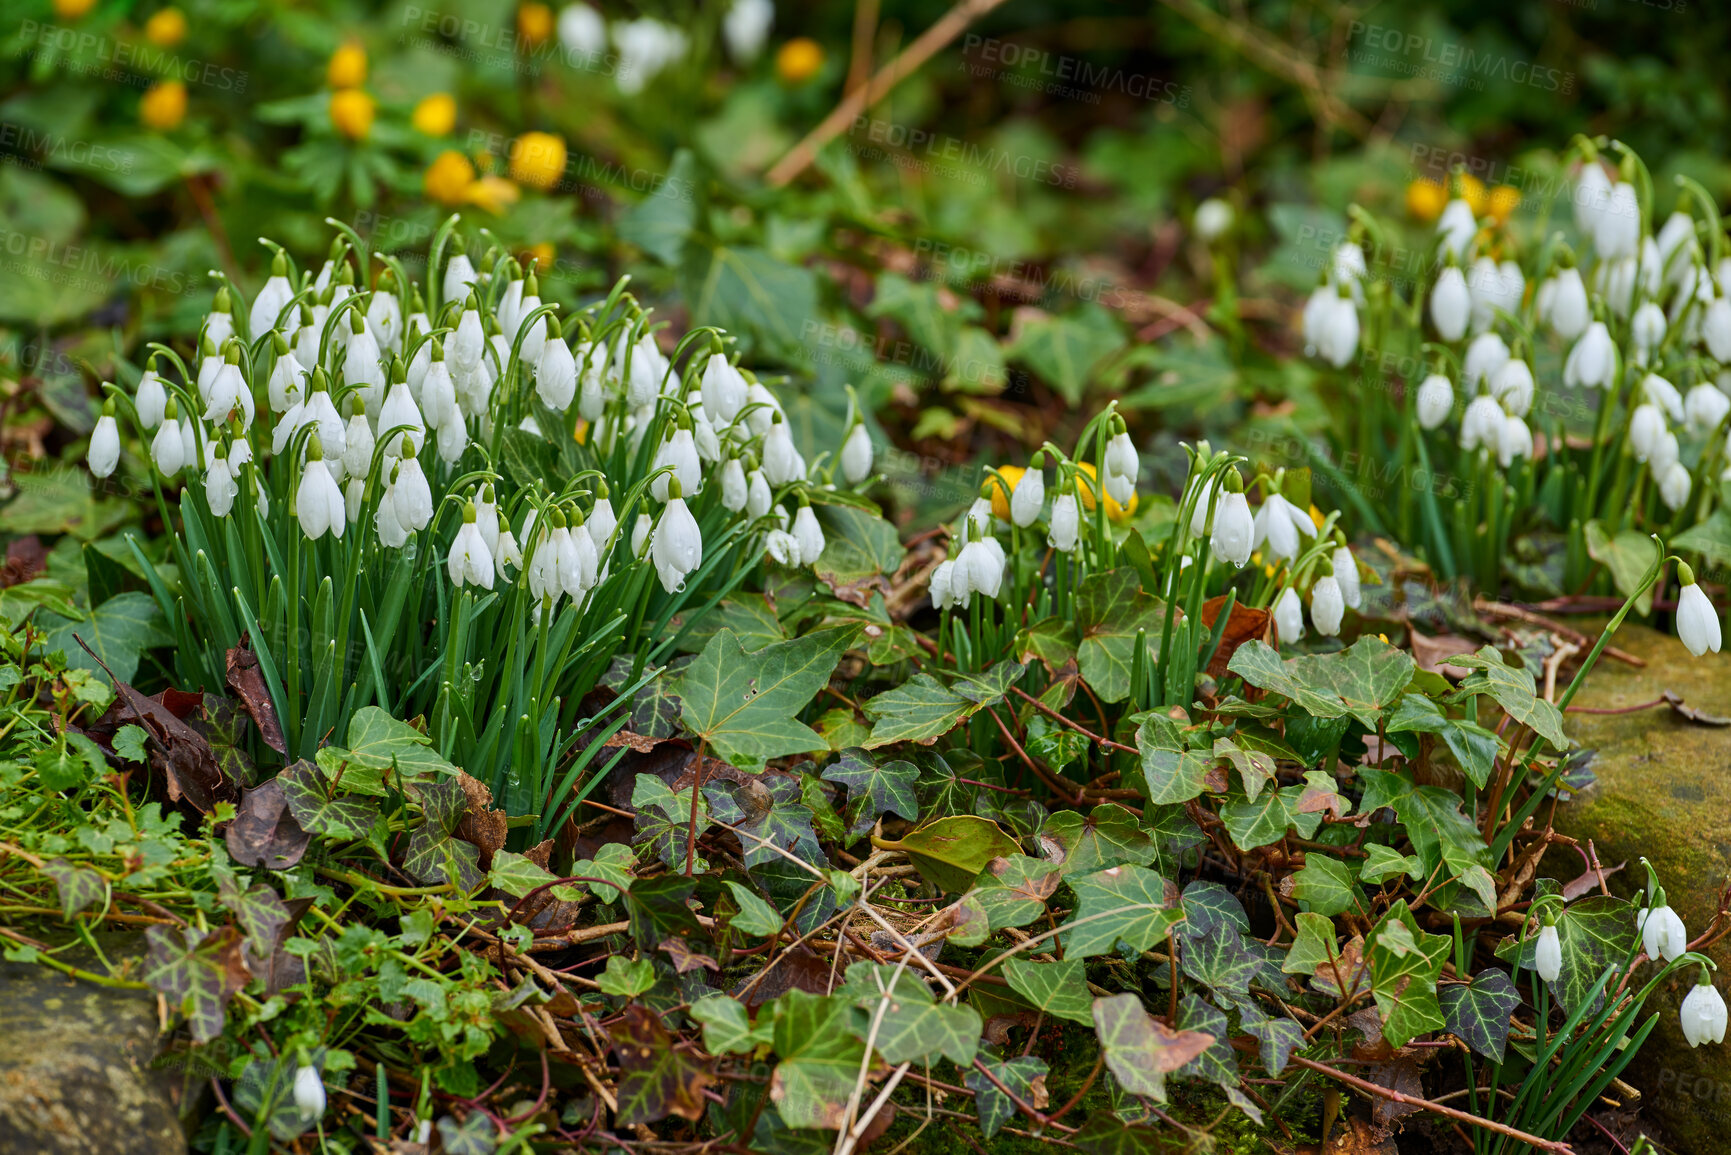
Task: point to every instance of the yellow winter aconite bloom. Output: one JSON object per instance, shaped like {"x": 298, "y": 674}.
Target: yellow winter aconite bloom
{"x": 448, "y": 178}
{"x": 163, "y": 106}
{"x": 1472, "y": 190}
{"x": 72, "y": 9}
{"x": 537, "y": 159}
{"x": 166, "y": 27}
{"x": 1000, "y": 499}
{"x": 352, "y": 113}
{"x": 436, "y": 115}
{"x": 1425, "y": 199}
{"x": 493, "y": 193}
{"x": 798, "y": 60}
{"x": 1500, "y": 205}
{"x": 534, "y": 24}
{"x": 1085, "y": 491}
{"x": 541, "y": 256}
{"x": 348, "y": 66}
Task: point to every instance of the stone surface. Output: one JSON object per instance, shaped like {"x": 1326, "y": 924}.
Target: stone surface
{"x": 74, "y": 1077}
{"x": 1663, "y": 791}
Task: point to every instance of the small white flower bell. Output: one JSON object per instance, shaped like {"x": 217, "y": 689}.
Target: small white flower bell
{"x": 1436, "y": 400}
{"x": 856, "y": 455}
{"x": 1513, "y": 386}
{"x": 1065, "y": 523}
{"x": 1457, "y": 227}
{"x": 1450, "y": 304}
{"x": 1288, "y": 616}
{"x": 723, "y": 389}
{"x": 1647, "y": 330}
{"x": 309, "y": 1093}
{"x": 680, "y": 453}
{"x": 414, "y": 497}
{"x": 459, "y": 277}
{"x": 1327, "y": 605}
{"x": 1592, "y": 363}
{"x": 220, "y": 487}
{"x": 556, "y": 375}
{"x": 168, "y": 448}
{"x": 677, "y": 545}
{"x": 152, "y": 398}
{"x": 470, "y": 562}
{"x": 1619, "y": 228}
{"x": 1234, "y": 530}
{"x": 1662, "y": 932}
{"x": 1346, "y": 574}
{"x": 757, "y": 495}
{"x": 319, "y": 501}
{"x": 105, "y": 443}
{"x": 1487, "y": 353}
{"x": 1121, "y": 467}
{"x": 746, "y": 26}
{"x": 809, "y": 534}
{"x": 1213, "y": 217}
{"x": 733, "y": 487}
{"x": 1548, "y": 954}
{"x": 1697, "y": 621}
{"x": 1570, "y": 311}
{"x": 1703, "y": 1013}
{"x": 1716, "y": 329}
{"x": 782, "y": 463}
{"x": 1029, "y": 496}
{"x": 271, "y": 300}
{"x": 1514, "y": 439}
{"x": 1646, "y": 428}
{"x": 782, "y": 547}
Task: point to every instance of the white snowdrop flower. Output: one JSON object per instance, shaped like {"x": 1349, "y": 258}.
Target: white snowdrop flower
{"x": 271, "y": 300}
{"x": 703, "y": 432}
{"x": 1065, "y": 523}
{"x": 783, "y": 547}
{"x": 1663, "y": 935}
{"x": 1677, "y": 235}
{"x": 1234, "y": 530}
{"x": 1619, "y": 230}
{"x": 188, "y": 442}
{"x": 309, "y": 336}
{"x": 1121, "y": 468}
{"x": 1544, "y": 299}
{"x": 469, "y": 343}
{"x": 460, "y": 276}
{"x": 942, "y": 587}
{"x": 385, "y": 319}
{"x": 1028, "y": 498}
{"x": 1570, "y": 311}
{"x": 168, "y": 448}
{"x": 1213, "y": 217}
{"x": 1457, "y": 227}
{"x": 1674, "y": 486}
{"x": 219, "y": 324}
{"x": 568, "y": 559}
{"x": 723, "y": 389}
{"x": 286, "y": 385}
{"x": 782, "y": 463}
{"x": 354, "y": 495}
{"x": 400, "y": 416}
{"x": 151, "y": 398}
{"x": 227, "y": 393}
{"x": 1615, "y": 282}
{"x": 1450, "y": 304}
{"x": 1697, "y": 619}
{"x": 856, "y": 455}
{"x": 537, "y": 334}
{"x": 1346, "y": 574}
{"x": 508, "y": 553}
{"x": 1664, "y": 454}
{"x": 452, "y": 440}
{"x": 763, "y": 408}
{"x": 439, "y": 393}
{"x": 414, "y": 497}
{"x": 648, "y": 368}
{"x": 1592, "y": 363}
{"x": 1716, "y": 329}
{"x": 646, "y": 47}
{"x": 1486, "y": 353}
{"x": 1647, "y": 330}
{"x": 1703, "y": 1013}
{"x": 309, "y": 1093}
{"x": 1513, "y": 386}
{"x": 640, "y": 531}
{"x": 1548, "y": 954}
{"x": 757, "y": 494}
{"x": 981, "y": 566}
{"x": 1327, "y": 606}
{"x": 601, "y": 524}
{"x": 470, "y": 562}
{"x": 1482, "y": 424}
{"x": 510, "y": 308}
{"x": 1493, "y": 287}
{"x": 392, "y": 535}
{"x": 1348, "y": 269}
{"x": 1436, "y": 400}
{"x": 544, "y": 584}
{"x": 1663, "y": 394}
{"x": 1514, "y": 439}
{"x": 1199, "y": 509}
{"x": 220, "y": 487}
{"x": 676, "y": 548}
{"x": 591, "y": 360}
{"x": 1646, "y": 427}
{"x": 746, "y": 26}
{"x": 1337, "y": 330}
{"x": 1591, "y": 197}
{"x": 809, "y": 534}
{"x": 1288, "y": 616}
{"x": 319, "y": 502}
{"x": 680, "y": 452}
{"x": 556, "y": 375}
{"x": 1279, "y": 524}
{"x": 733, "y": 487}
{"x": 582, "y": 30}
{"x": 1704, "y": 407}
{"x": 105, "y": 443}
{"x": 1318, "y": 308}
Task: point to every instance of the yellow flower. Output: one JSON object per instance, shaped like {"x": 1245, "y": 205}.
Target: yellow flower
{"x": 798, "y": 60}
{"x": 1000, "y": 499}
{"x": 1472, "y": 190}
{"x": 537, "y": 159}
{"x": 72, "y": 9}
{"x": 1114, "y": 511}
{"x": 1500, "y": 205}
{"x": 436, "y": 115}
{"x": 163, "y": 106}
{"x": 1425, "y": 199}
{"x": 166, "y": 27}
{"x": 493, "y": 193}
{"x": 534, "y": 23}
{"x": 448, "y": 178}
{"x": 580, "y": 434}
{"x": 541, "y": 256}
{"x": 352, "y": 113}
{"x": 348, "y": 66}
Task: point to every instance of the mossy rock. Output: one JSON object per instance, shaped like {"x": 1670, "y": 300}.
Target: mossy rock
{"x": 1663, "y": 791}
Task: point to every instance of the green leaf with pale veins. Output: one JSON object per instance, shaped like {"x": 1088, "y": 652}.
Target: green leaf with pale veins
{"x": 995, "y": 1108}
{"x": 664, "y": 817}
{"x": 1060, "y": 989}
{"x": 1171, "y": 771}
{"x": 820, "y": 1059}
{"x": 1514, "y": 691}
{"x": 434, "y": 853}
{"x": 1359, "y": 680}
{"x": 1381, "y": 863}
{"x": 197, "y": 973}
{"x": 912, "y": 1031}
{"x": 1107, "y": 836}
{"x": 756, "y": 917}
{"x": 751, "y": 617}
{"x": 1594, "y": 932}
{"x": 119, "y": 631}
{"x": 1255, "y": 767}
{"x": 1139, "y": 1050}
{"x": 1327, "y": 885}
{"x": 381, "y": 742}
{"x": 79, "y": 887}
{"x": 766, "y": 813}
{"x": 1478, "y": 1014}
{"x": 345, "y": 816}
{"x": 1279, "y": 1036}
{"x": 1254, "y": 824}
{"x": 746, "y": 706}
{"x": 923, "y": 709}
{"x": 1012, "y": 891}
{"x": 1404, "y": 962}
{"x": 1111, "y": 609}
{"x": 874, "y": 788}
{"x": 1215, "y": 1062}
{"x": 1121, "y": 904}
{"x": 727, "y": 1027}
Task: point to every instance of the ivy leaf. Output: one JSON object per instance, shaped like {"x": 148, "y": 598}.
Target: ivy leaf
{"x": 128, "y": 743}
{"x": 1254, "y": 824}
{"x": 1215, "y": 1062}
{"x": 1051, "y": 641}
{"x": 914, "y": 1031}
{"x": 1255, "y": 767}
{"x": 1432, "y": 817}
{"x": 923, "y": 709}
{"x": 78, "y": 886}
{"x": 1514, "y": 691}
{"x": 1208, "y": 906}
{"x": 434, "y": 854}
{"x": 874, "y": 789}
{"x": 1139, "y": 1050}
{"x": 1111, "y": 609}
{"x": 345, "y": 816}
{"x": 261, "y": 913}
{"x": 950, "y": 852}
{"x": 380, "y": 742}
{"x": 1594, "y": 932}
{"x": 1381, "y": 863}
{"x": 1327, "y": 885}
{"x": 473, "y": 1136}
{"x": 1478, "y": 1013}
{"x": 1172, "y": 772}
{"x": 118, "y": 631}
{"x": 657, "y": 910}
{"x": 1279, "y": 1036}
{"x": 656, "y": 1078}
{"x": 756, "y": 917}
{"x": 664, "y": 818}
{"x": 1012, "y": 891}
{"x": 1628, "y": 556}
{"x": 747, "y": 705}
{"x": 1359, "y": 680}
{"x": 727, "y": 1028}
{"x": 1108, "y": 836}
{"x": 1219, "y": 959}
{"x": 626, "y": 979}
{"x": 1060, "y": 989}
{"x": 1121, "y": 904}
{"x": 517, "y": 876}
{"x": 1026, "y": 1076}
{"x": 820, "y": 1056}
{"x": 1405, "y": 961}
{"x": 1314, "y": 945}
{"x": 766, "y": 813}
{"x": 196, "y": 973}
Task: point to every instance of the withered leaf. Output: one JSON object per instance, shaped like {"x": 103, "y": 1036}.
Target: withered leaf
{"x": 26, "y": 559}
{"x": 1244, "y": 625}
{"x": 247, "y": 680}
{"x": 684, "y": 958}
{"x": 481, "y": 825}
{"x": 264, "y": 831}
{"x": 179, "y": 753}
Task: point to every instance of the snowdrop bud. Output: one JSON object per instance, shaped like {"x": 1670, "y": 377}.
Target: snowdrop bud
{"x": 1646, "y": 427}
{"x": 1122, "y": 467}
{"x": 1457, "y": 227}
{"x": 439, "y": 391}
{"x": 1288, "y": 616}
{"x": 1716, "y": 329}
{"x": 414, "y": 497}
{"x": 361, "y": 365}
{"x": 354, "y": 495}
{"x": 392, "y": 535}
{"x": 1592, "y": 194}
{"x": 602, "y": 523}
{"x": 782, "y": 463}
{"x": 556, "y": 375}
{"x": 400, "y": 414}
{"x": 640, "y": 531}
{"x": 1317, "y": 311}
{"x": 1346, "y": 573}
{"x": 271, "y": 299}
{"x": 1487, "y": 353}
{"x": 1662, "y": 393}
{"x": 676, "y": 547}
{"x": 1570, "y": 312}
{"x": 1029, "y": 495}
{"x": 168, "y": 449}
{"x": 319, "y": 502}
{"x": 1663, "y": 934}
{"x": 1493, "y": 287}
{"x": 733, "y": 489}
{"x": 1065, "y": 523}
{"x": 220, "y": 488}
{"x": 1513, "y": 386}
{"x": 105, "y": 443}
{"x": 856, "y": 455}
{"x": 746, "y": 26}
{"x": 757, "y": 497}
{"x": 1664, "y": 456}
{"x": 537, "y": 338}
{"x": 1234, "y": 530}
{"x": 309, "y": 1093}
{"x": 188, "y": 442}
{"x": 1436, "y": 400}
{"x": 1647, "y": 329}
{"x": 287, "y": 380}
{"x": 470, "y": 562}
{"x": 452, "y": 440}
{"x": 1337, "y": 332}
{"x": 1548, "y": 954}
{"x": 459, "y": 276}
{"x": 1213, "y": 218}
{"x": 809, "y": 534}
{"x": 1514, "y": 439}
{"x": 568, "y": 562}
{"x": 1592, "y": 363}
{"x": 508, "y": 553}
{"x": 1327, "y": 606}
{"x": 679, "y": 452}
{"x": 1705, "y": 407}
{"x": 647, "y": 368}
{"x": 723, "y": 389}
{"x": 510, "y": 308}
{"x": 1703, "y": 1013}
{"x": 703, "y": 432}
{"x": 1619, "y": 228}
{"x": 358, "y": 443}
{"x": 151, "y": 398}
{"x": 1697, "y": 622}
{"x": 1348, "y": 269}
{"x": 1450, "y": 304}
{"x": 469, "y": 344}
